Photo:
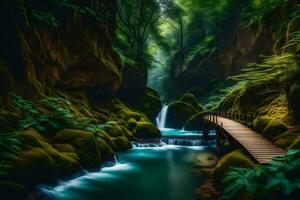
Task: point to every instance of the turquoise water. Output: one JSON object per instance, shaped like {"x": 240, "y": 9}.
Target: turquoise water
{"x": 143, "y": 173}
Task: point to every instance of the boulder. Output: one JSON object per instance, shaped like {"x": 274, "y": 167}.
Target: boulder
{"x": 113, "y": 130}
{"x": 195, "y": 123}
{"x": 146, "y": 130}
{"x": 13, "y": 191}
{"x": 294, "y": 99}
{"x": 191, "y": 99}
{"x": 285, "y": 139}
{"x": 122, "y": 143}
{"x": 274, "y": 128}
{"x": 108, "y": 140}
{"x": 84, "y": 143}
{"x": 38, "y": 155}
{"x": 261, "y": 123}
{"x": 107, "y": 152}
{"x": 233, "y": 159}
{"x": 178, "y": 113}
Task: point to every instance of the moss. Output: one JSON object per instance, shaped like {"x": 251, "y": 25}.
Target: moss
{"x": 195, "y": 123}
{"x": 178, "y": 113}
{"x": 64, "y": 148}
{"x": 146, "y": 130}
{"x": 274, "y": 128}
{"x": 295, "y": 144}
{"x": 128, "y": 133}
{"x": 261, "y": 123}
{"x": 84, "y": 144}
{"x": 294, "y": 99}
{"x": 109, "y": 141}
{"x": 287, "y": 138}
{"x": 127, "y": 114}
{"x": 131, "y": 124}
{"x": 114, "y": 130}
{"x": 12, "y": 191}
{"x": 191, "y": 99}
{"x": 122, "y": 143}
{"x": 106, "y": 151}
{"x": 233, "y": 159}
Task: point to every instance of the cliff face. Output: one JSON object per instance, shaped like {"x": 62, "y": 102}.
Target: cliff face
{"x": 71, "y": 52}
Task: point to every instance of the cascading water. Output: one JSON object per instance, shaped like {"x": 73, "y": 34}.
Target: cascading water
{"x": 161, "y": 118}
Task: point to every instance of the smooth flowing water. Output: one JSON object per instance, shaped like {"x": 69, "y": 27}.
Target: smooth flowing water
{"x": 148, "y": 172}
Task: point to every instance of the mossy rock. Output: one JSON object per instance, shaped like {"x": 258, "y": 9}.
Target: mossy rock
{"x": 195, "y": 123}
{"x": 150, "y": 104}
{"x": 285, "y": 139}
{"x": 109, "y": 140}
{"x": 84, "y": 144}
{"x": 261, "y": 123}
{"x": 127, "y": 133}
{"x": 114, "y": 130}
{"x": 146, "y": 130}
{"x": 33, "y": 166}
{"x": 126, "y": 114}
{"x": 131, "y": 124}
{"x": 189, "y": 98}
{"x": 233, "y": 159}
{"x": 178, "y": 113}
{"x": 295, "y": 144}
{"x": 274, "y": 128}
{"x": 294, "y": 99}
{"x": 122, "y": 143}
{"x": 13, "y": 191}
{"x": 64, "y": 148}
{"x": 106, "y": 151}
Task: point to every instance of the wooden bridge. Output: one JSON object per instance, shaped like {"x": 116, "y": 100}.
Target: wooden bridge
{"x": 239, "y": 127}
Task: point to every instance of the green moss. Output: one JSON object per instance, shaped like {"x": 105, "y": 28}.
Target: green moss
{"x": 128, "y": 133}
{"x": 146, "y": 130}
{"x": 127, "y": 114}
{"x": 178, "y": 113}
{"x": 294, "y": 99}
{"x": 287, "y": 138}
{"x": 64, "y": 148}
{"x": 295, "y": 144}
{"x": 106, "y": 151}
{"x": 195, "y": 122}
{"x": 261, "y": 123}
{"x": 131, "y": 124}
{"x": 13, "y": 191}
{"x": 114, "y": 130}
{"x": 150, "y": 105}
{"x": 274, "y": 128}
{"x": 122, "y": 143}
{"x": 84, "y": 144}
{"x": 191, "y": 99}
{"x": 109, "y": 141}
{"x": 232, "y": 159}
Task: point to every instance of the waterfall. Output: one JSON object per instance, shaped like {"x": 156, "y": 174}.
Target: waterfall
{"x": 161, "y": 118}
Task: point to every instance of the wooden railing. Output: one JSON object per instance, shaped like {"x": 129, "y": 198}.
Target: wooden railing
{"x": 245, "y": 119}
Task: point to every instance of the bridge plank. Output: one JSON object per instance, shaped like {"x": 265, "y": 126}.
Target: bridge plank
{"x": 261, "y": 149}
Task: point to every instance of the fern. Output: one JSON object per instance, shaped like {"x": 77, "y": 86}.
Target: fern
{"x": 10, "y": 146}
{"x": 281, "y": 176}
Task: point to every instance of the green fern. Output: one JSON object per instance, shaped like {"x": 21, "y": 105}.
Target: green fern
{"x": 281, "y": 176}
{"x": 10, "y": 146}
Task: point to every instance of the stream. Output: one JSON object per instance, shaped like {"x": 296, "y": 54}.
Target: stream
{"x": 148, "y": 171}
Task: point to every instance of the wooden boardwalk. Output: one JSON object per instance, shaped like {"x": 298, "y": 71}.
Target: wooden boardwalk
{"x": 261, "y": 149}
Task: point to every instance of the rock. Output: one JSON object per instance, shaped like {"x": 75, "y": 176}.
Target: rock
{"x": 274, "y": 128}
{"x": 13, "y": 191}
{"x": 295, "y": 144}
{"x": 122, "y": 143}
{"x": 114, "y": 130}
{"x": 128, "y": 133}
{"x": 191, "y": 99}
{"x": 178, "y": 113}
{"x": 150, "y": 104}
{"x": 146, "y": 130}
{"x": 285, "y": 139}
{"x": 38, "y": 155}
{"x": 108, "y": 140}
{"x": 127, "y": 114}
{"x": 232, "y": 159}
{"x": 84, "y": 144}
{"x": 106, "y": 151}
{"x": 195, "y": 123}
{"x": 294, "y": 99}
{"x": 261, "y": 123}
{"x": 131, "y": 124}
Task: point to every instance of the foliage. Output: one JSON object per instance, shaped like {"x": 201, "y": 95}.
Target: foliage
{"x": 280, "y": 177}
{"x": 9, "y": 150}
{"x": 257, "y": 10}
{"x": 275, "y": 67}
{"x": 58, "y": 116}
